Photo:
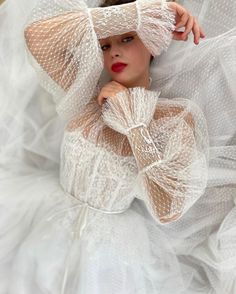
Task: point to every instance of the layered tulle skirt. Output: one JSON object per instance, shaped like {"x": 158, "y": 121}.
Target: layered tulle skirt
{"x": 53, "y": 243}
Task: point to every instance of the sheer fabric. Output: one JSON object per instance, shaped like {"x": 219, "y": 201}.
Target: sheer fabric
{"x": 40, "y": 224}
{"x": 174, "y": 164}
{"x": 205, "y": 74}
{"x": 63, "y": 39}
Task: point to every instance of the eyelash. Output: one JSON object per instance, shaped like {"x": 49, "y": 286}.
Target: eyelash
{"x": 130, "y": 39}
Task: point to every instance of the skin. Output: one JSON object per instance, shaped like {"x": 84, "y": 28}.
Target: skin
{"x": 126, "y": 48}
{"x": 129, "y": 49}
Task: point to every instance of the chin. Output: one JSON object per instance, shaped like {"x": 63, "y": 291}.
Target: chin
{"x": 124, "y": 81}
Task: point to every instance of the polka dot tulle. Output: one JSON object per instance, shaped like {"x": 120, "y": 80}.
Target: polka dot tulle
{"x": 62, "y": 40}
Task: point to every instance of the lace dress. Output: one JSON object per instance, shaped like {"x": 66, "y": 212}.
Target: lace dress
{"x": 130, "y": 213}
{"x": 89, "y": 239}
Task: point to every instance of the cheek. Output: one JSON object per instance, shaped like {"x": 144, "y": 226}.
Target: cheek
{"x": 107, "y": 62}
{"x": 140, "y": 59}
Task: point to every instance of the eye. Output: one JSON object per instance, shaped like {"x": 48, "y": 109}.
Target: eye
{"x": 104, "y": 47}
{"x": 127, "y": 39}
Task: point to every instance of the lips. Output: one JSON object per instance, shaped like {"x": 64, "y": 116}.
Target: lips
{"x": 118, "y": 67}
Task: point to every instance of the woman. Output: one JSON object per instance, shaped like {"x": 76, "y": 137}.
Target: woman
{"x": 87, "y": 239}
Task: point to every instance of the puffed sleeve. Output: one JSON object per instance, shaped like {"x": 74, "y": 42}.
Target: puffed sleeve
{"x": 153, "y": 20}
{"x": 63, "y": 49}
{"x": 171, "y": 150}
{"x": 62, "y": 41}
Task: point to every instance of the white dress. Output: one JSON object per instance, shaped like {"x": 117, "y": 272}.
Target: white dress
{"x": 80, "y": 235}
{"x": 58, "y": 235}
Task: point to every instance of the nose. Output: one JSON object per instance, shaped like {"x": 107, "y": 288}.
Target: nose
{"x": 115, "y": 51}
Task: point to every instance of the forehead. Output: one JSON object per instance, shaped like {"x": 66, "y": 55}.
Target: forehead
{"x": 116, "y": 37}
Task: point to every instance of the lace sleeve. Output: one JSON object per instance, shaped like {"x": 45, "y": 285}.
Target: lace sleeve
{"x": 51, "y": 50}
{"x": 67, "y": 64}
{"x": 153, "y": 21}
{"x": 171, "y": 152}
{"x": 62, "y": 41}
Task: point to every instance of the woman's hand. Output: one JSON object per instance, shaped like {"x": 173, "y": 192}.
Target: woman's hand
{"x": 109, "y": 91}
{"x": 184, "y": 19}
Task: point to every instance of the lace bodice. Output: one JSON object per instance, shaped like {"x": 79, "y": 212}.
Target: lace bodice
{"x": 95, "y": 175}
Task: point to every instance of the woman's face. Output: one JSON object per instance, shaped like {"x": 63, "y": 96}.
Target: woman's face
{"x": 126, "y": 59}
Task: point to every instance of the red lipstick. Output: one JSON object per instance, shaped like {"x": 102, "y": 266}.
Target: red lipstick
{"x": 118, "y": 67}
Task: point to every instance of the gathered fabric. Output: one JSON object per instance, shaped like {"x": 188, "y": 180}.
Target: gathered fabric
{"x": 137, "y": 196}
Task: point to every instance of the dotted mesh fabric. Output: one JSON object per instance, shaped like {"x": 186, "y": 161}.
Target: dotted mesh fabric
{"x": 66, "y": 57}
{"x": 167, "y": 139}
{"x": 62, "y": 38}
{"x": 205, "y": 234}
{"x": 174, "y": 168}
{"x": 152, "y": 18}
{"x": 205, "y": 74}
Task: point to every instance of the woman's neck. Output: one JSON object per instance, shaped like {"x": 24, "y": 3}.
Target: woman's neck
{"x": 144, "y": 82}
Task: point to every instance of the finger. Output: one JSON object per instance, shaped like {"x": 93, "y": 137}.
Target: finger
{"x": 111, "y": 86}
{"x": 117, "y": 86}
{"x": 106, "y": 93}
{"x": 189, "y": 26}
{"x": 115, "y": 83}
{"x": 102, "y": 97}
{"x": 202, "y": 34}
{"x": 182, "y": 21}
{"x": 179, "y": 36}
{"x": 108, "y": 86}
{"x": 180, "y": 13}
{"x": 196, "y": 33}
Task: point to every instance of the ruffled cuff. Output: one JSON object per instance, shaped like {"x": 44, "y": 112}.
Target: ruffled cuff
{"x": 130, "y": 109}
{"x": 156, "y": 24}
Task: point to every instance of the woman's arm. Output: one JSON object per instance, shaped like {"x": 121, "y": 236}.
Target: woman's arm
{"x": 63, "y": 44}
{"x": 63, "y": 41}
{"x": 170, "y": 152}
{"x": 50, "y": 42}
{"x": 51, "y": 39}
{"x": 162, "y": 177}
{"x": 55, "y": 41}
